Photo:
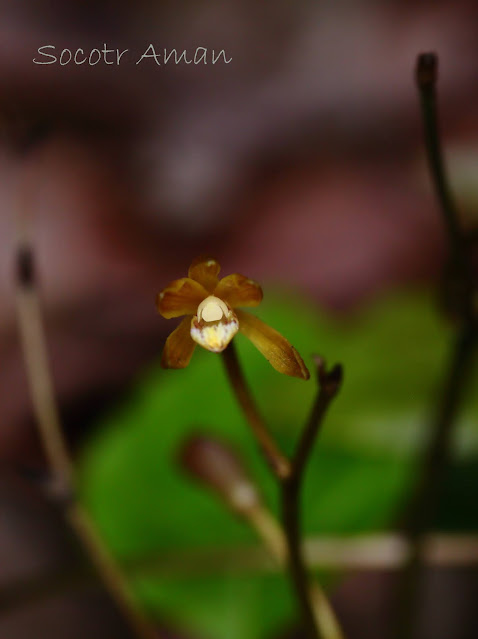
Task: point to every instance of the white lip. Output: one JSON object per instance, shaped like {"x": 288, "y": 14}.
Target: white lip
{"x": 214, "y": 335}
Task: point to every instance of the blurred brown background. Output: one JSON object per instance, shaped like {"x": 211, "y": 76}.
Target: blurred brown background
{"x": 299, "y": 162}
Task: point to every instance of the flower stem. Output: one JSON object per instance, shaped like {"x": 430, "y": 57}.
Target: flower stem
{"x": 426, "y": 79}
{"x": 318, "y": 618}
{"x": 437, "y": 456}
{"x": 291, "y": 489}
{"x": 276, "y": 459}
{"x": 427, "y": 492}
{"x": 49, "y": 427}
{"x": 270, "y": 531}
{"x": 290, "y": 493}
{"x": 329, "y": 385}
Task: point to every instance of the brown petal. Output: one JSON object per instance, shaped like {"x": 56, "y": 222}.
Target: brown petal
{"x": 282, "y": 355}
{"x": 205, "y": 270}
{"x": 179, "y": 346}
{"x": 180, "y": 297}
{"x": 237, "y": 290}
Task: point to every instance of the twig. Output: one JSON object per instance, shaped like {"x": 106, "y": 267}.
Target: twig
{"x": 427, "y": 495}
{"x": 318, "y": 617}
{"x": 278, "y": 544}
{"x": 329, "y": 385}
{"x": 48, "y": 421}
{"x": 426, "y": 79}
{"x": 461, "y": 274}
{"x": 438, "y": 453}
{"x": 358, "y": 553}
{"x": 276, "y": 459}
{"x": 362, "y": 552}
{"x": 291, "y": 488}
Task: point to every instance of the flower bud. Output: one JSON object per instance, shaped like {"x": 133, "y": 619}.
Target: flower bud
{"x": 216, "y": 464}
{"x": 329, "y": 380}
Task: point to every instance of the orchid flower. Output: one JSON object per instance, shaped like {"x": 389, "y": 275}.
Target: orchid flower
{"x": 212, "y": 317}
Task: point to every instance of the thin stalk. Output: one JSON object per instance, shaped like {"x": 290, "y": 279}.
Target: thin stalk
{"x": 426, "y": 79}
{"x": 291, "y": 491}
{"x": 289, "y": 476}
{"x": 276, "y": 459}
{"x": 364, "y": 552}
{"x": 272, "y": 534}
{"x": 329, "y": 385}
{"x": 435, "y": 463}
{"x": 438, "y": 453}
{"x": 48, "y": 421}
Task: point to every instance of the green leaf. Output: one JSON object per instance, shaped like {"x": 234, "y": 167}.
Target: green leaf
{"x": 394, "y": 355}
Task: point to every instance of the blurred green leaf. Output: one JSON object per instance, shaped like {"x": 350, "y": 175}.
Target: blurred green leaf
{"x": 394, "y": 355}
{"x": 232, "y": 606}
